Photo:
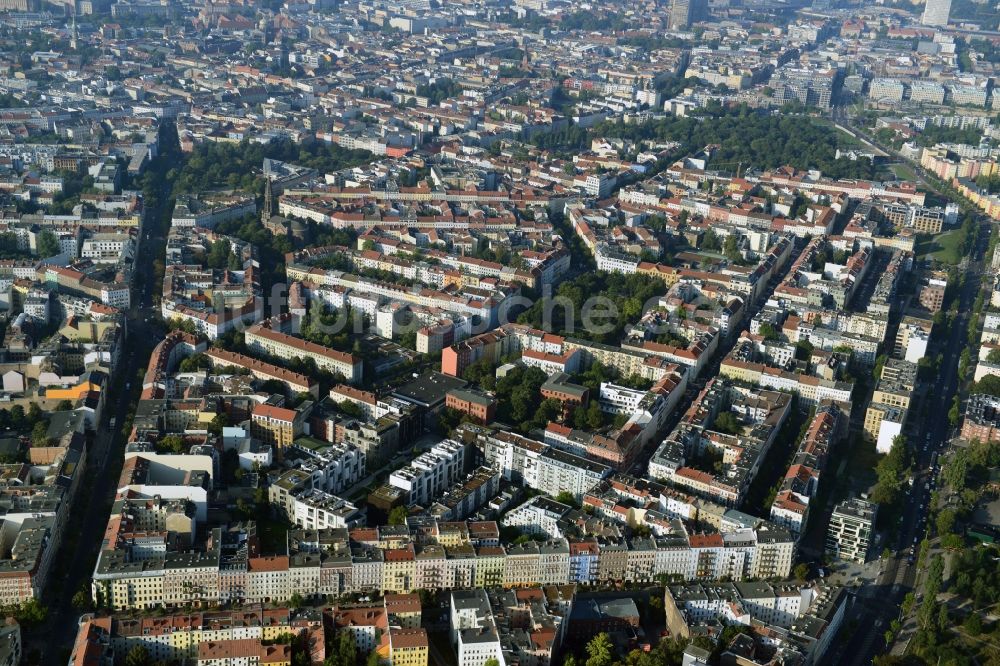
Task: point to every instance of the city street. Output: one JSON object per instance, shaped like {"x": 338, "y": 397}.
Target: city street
{"x": 51, "y": 640}
{"x": 878, "y": 604}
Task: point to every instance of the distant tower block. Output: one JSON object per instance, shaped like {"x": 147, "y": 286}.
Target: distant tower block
{"x": 936, "y": 12}
{"x": 680, "y": 15}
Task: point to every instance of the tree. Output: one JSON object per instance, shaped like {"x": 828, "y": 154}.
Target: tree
{"x": 731, "y": 249}
{"x": 17, "y": 417}
{"x": 600, "y": 651}
{"x": 218, "y": 254}
{"x": 81, "y": 600}
{"x": 218, "y": 422}
{"x": 549, "y": 410}
{"x": 892, "y": 471}
{"x": 943, "y": 619}
{"x": 173, "y": 443}
{"x": 566, "y": 497}
{"x": 990, "y": 385}
{"x": 945, "y": 522}
{"x": 803, "y": 350}
{"x": 39, "y": 434}
{"x": 973, "y": 624}
{"x": 194, "y": 363}
{"x": 879, "y": 364}
{"x": 492, "y": 661}
{"x": 295, "y": 601}
{"x": 595, "y": 419}
{"x": 138, "y": 656}
{"x": 710, "y": 241}
{"x": 954, "y": 414}
{"x": 398, "y": 515}
{"x": 768, "y": 331}
{"x": 409, "y": 339}
{"x": 802, "y": 571}
{"x": 522, "y": 399}
{"x": 347, "y": 649}
{"x": 726, "y": 422}
{"x": 31, "y": 612}
{"x": 908, "y": 601}
{"x": 47, "y": 244}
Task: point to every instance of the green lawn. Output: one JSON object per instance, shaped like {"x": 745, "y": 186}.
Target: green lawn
{"x": 903, "y": 171}
{"x": 945, "y": 247}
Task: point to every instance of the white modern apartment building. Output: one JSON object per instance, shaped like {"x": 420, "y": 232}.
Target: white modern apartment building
{"x": 107, "y": 248}
{"x": 559, "y": 471}
{"x": 849, "y": 534}
{"x": 538, "y": 516}
{"x": 317, "y": 510}
{"x": 332, "y": 469}
{"x": 617, "y": 399}
{"x": 431, "y": 473}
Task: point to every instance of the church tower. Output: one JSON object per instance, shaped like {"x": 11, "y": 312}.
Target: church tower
{"x": 268, "y": 211}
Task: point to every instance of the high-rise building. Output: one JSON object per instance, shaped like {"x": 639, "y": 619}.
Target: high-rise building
{"x": 680, "y": 14}
{"x": 936, "y": 12}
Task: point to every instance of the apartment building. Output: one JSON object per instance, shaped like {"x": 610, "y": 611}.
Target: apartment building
{"x": 526, "y": 626}
{"x": 559, "y": 471}
{"x": 790, "y": 508}
{"x": 539, "y": 516}
{"x": 932, "y": 290}
{"x": 982, "y": 418}
{"x": 742, "y": 454}
{"x": 278, "y": 426}
{"x": 890, "y": 91}
{"x": 849, "y": 534}
{"x": 408, "y": 647}
{"x": 886, "y": 414}
{"x": 473, "y": 632}
{"x": 803, "y": 620}
{"x": 461, "y": 501}
{"x": 476, "y": 404}
{"x": 269, "y": 338}
{"x": 428, "y": 476}
{"x": 242, "y": 652}
{"x": 180, "y": 637}
{"x": 155, "y": 568}
{"x": 294, "y": 382}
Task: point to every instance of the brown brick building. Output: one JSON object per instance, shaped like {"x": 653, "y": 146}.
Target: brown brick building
{"x": 474, "y": 403}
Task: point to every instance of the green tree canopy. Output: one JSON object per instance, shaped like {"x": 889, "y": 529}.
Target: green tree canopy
{"x": 47, "y": 244}
{"x": 398, "y": 515}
